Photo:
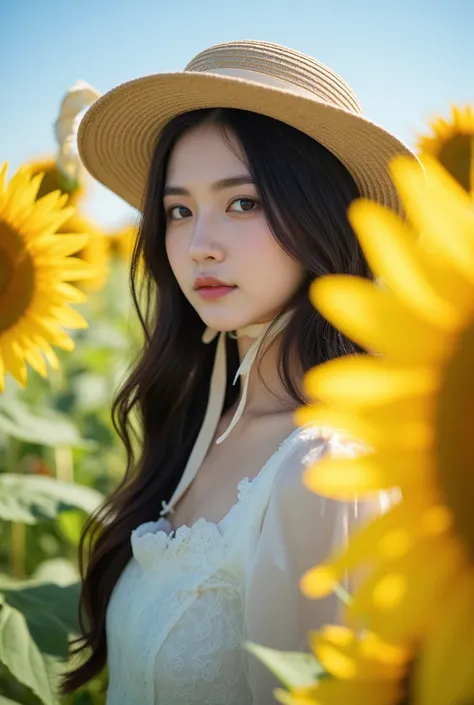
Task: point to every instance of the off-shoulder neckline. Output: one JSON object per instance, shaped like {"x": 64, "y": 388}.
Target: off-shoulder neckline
{"x": 244, "y": 486}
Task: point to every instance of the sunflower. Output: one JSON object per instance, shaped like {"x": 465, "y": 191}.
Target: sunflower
{"x": 123, "y": 241}
{"x": 96, "y": 252}
{"x": 54, "y": 180}
{"x": 452, "y": 143}
{"x": 359, "y": 671}
{"x": 412, "y": 402}
{"x": 35, "y": 266}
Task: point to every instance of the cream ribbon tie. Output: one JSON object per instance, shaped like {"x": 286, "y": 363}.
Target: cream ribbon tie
{"x": 217, "y": 391}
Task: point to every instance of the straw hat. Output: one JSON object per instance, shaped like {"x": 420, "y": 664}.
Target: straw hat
{"x": 117, "y": 134}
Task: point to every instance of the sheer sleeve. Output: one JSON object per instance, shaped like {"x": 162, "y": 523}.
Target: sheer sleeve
{"x": 299, "y": 530}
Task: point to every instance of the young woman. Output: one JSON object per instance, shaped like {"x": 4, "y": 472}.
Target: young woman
{"x": 243, "y": 167}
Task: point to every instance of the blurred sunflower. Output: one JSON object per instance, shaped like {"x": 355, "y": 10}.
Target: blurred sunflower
{"x": 35, "y": 266}
{"x": 360, "y": 671}
{"x": 65, "y": 173}
{"x": 413, "y": 404}
{"x": 123, "y": 241}
{"x": 452, "y": 143}
{"x": 96, "y": 251}
{"x": 55, "y": 180}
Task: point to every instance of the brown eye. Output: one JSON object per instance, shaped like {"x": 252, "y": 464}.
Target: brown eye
{"x": 246, "y": 204}
{"x": 178, "y": 213}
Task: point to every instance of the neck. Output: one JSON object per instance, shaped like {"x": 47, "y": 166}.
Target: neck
{"x": 266, "y": 393}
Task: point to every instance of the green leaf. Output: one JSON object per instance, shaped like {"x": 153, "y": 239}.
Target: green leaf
{"x": 33, "y": 599}
{"x": 58, "y": 570}
{"x": 92, "y": 391}
{"x": 49, "y": 635}
{"x": 7, "y": 701}
{"x": 294, "y": 669}
{"x": 30, "y": 498}
{"x": 46, "y": 427}
{"x": 71, "y": 524}
{"x": 21, "y": 655}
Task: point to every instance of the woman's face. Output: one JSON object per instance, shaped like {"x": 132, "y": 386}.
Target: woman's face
{"x": 216, "y": 228}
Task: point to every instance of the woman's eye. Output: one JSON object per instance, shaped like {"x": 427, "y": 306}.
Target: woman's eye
{"x": 178, "y": 213}
{"x": 245, "y": 204}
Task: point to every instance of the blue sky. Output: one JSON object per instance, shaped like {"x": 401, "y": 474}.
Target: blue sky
{"x": 407, "y": 59}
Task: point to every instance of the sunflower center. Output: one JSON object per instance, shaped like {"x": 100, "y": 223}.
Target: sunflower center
{"x": 457, "y": 156}
{"x": 454, "y": 447}
{"x": 17, "y": 276}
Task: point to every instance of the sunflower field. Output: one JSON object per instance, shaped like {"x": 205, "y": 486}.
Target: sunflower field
{"x": 59, "y": 454}
{"x": 68, "y": 336}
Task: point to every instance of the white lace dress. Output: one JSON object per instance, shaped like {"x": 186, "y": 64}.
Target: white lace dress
{"x": 186, "y": 601}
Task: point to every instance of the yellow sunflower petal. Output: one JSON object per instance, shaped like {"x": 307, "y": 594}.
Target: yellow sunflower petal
{"x": 439, "y": 207}
{"x": 356, "y": 306}
{"x": 336, "y": 692}
{"x": 400, "y": 599}
{"x": 400, "y": 424}
{"x": 36, "y": 266}
{"x": 49, "y": 354}
{"x": 453, "y": 442}
{"x": 395, "y": 257}
{"x": 445, "y": 669}
{"x": 366, "y": 545}
{"x": 68, "y": 317}
{"x": 38, "y": 218}
{"x": 13, "y": 362}
{"x": 70, "y": 293}
{"x": 343, "y": 478}
{"x": 364, "y": 380}
{"x": 36, "y": 361}
{"x": 64, "y": 245}
{"x": 365, "y": 658}
{"x": 53, "y": 180}
{"x": 322, "y": 415}
{"x": 72, "y": 269}
{"x": 3, "y": 175}
{"x": 14, "y": 199}
{"x": 452, "y": 143}
{"x": 2, "y": 372}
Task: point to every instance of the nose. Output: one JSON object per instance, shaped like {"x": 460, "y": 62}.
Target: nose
{"x": 205, "y": 243}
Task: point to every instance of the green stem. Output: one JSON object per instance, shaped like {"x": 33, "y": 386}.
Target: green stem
{"x": 18, "y": 550}
{"x": 64, "y": 462}
{"x": 17, "y": 530}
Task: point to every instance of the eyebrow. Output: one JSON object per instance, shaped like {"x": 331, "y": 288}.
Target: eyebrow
{"x": 217, "y": 186}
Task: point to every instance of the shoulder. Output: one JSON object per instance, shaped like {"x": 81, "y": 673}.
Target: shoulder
{"x": 291, "y": 497}
{"x": 306, "y": 446}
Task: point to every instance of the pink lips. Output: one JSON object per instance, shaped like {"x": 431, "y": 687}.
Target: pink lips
{"x": 212, "y": 288}
{"x": 214, "y": 292}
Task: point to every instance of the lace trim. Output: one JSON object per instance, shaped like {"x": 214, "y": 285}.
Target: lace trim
{"x": 152, "y": 539}
{"x": 161, "y": 603}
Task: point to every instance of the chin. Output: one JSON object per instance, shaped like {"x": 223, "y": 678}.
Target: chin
{"x": 229, "y": 321}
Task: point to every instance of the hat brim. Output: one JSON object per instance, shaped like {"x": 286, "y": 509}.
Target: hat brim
{"x": 118, "y": 133}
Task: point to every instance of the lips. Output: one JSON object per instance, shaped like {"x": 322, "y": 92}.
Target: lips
{"x": 210, "y": 282}
{"x": 210, "y": 288}
{"x": 215, "y": 292}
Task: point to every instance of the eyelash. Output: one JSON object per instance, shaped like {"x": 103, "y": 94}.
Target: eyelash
{"x": 255, "y": 201}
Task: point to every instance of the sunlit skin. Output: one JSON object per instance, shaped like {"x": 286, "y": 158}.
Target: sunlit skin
{"x": 216, "y": 227}
{"x": 220, "y": 230}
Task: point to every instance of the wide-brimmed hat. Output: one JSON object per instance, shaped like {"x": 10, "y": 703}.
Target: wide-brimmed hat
{"x": 118, "y": 133}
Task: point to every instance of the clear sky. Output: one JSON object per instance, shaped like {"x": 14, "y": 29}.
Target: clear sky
{"x": 406, "y": 59}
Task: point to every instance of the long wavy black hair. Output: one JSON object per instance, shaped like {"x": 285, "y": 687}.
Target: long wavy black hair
{"x": 305, "y": 192}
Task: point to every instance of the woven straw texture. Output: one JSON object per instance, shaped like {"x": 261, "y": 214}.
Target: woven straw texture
{"x": 118, "y": 133}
